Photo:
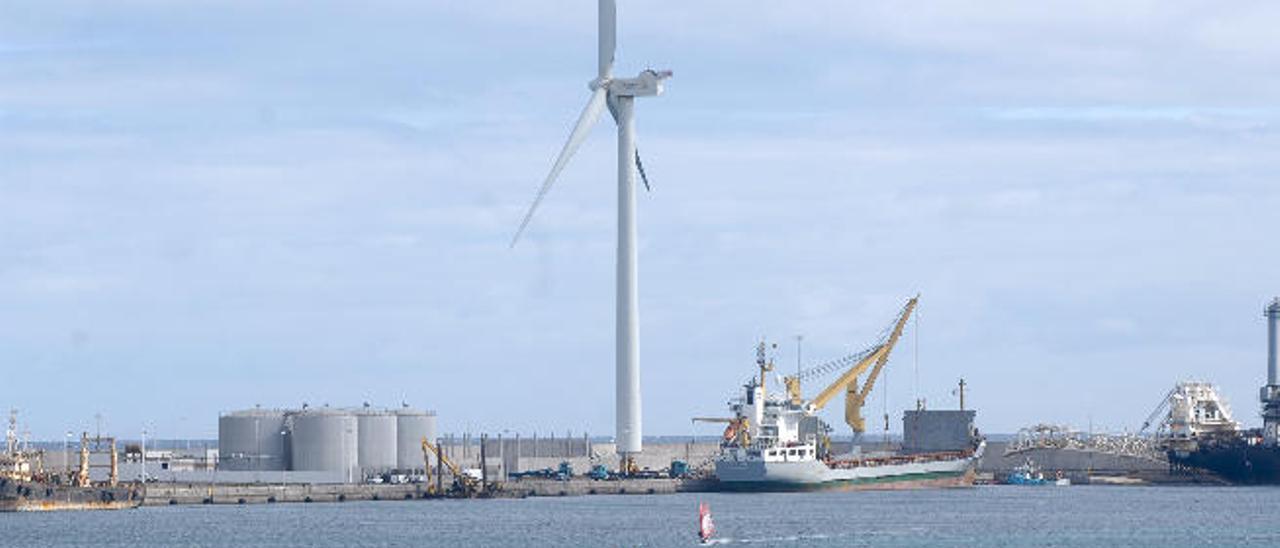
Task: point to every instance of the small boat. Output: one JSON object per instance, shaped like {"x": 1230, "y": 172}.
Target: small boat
{"x": 706, "y": 527}
{"x": 1028, "y": 473}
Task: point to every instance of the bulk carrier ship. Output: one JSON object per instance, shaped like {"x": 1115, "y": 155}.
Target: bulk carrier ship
{"x": 26, "y": 486}
{"x": 778, "y": 443}
{"x": 1239, "y": 456}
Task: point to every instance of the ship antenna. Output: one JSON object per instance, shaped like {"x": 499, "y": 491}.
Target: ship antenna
{"x": 799, "y": 347}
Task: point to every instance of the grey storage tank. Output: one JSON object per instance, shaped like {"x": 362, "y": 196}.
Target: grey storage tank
{"x": 326, "y": 440}
{"x": 411, "y": 426}
{"x": 253, "y": 439}
{"x": 376, "y": 441}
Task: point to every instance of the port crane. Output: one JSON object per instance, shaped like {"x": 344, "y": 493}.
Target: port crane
{"x": 1160, "y": 413}
{"x": 873, "y": 358}
{"x": 466, "y": 484}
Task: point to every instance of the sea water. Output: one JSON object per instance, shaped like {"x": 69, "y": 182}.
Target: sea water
{"x": 980, "y": 516}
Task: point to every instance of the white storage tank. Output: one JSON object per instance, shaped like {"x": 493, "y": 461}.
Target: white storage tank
{"x": 411, "y": 426}
{"x": 326, "y": 440}
{"x": 252, "y": 439}
{"x": 376, "y": 441}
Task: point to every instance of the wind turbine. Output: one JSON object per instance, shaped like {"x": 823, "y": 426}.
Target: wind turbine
{"x": 618, "y": 94}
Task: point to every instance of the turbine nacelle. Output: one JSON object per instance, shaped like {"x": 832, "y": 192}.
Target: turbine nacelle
{"x": 648, "y": 84}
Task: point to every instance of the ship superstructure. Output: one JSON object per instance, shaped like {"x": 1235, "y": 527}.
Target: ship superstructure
{"x": 778, "y": 442}
{"x": 17, "y": 463}
{"x": 1196, "y": 410}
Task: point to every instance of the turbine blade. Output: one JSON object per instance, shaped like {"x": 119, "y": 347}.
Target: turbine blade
{"x": 608, "y": 36}
{"x": 640, "y": 168}
{"x": 590, "y": 115}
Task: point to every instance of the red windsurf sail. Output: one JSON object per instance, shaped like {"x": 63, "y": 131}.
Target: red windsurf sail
{"x": 706, "y": 527}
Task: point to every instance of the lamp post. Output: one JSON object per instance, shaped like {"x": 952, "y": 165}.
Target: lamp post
{"x": 144, "y": 456}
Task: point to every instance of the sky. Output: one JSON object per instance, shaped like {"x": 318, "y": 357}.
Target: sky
{"x": 217, "y": 205}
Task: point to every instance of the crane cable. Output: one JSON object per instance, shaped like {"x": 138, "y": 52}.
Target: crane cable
{"x": 884, "y": 402}
{"x": 836, "y": 364}
{"x": 915, "y": 356}
{"x": 842, "y": 363}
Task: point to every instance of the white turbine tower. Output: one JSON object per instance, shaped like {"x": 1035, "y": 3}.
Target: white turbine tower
{"x": 618, "y": 94}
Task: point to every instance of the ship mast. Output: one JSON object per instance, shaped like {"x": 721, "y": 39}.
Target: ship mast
{"x": 766, "y": 365}
{"x": 11, "y": 433}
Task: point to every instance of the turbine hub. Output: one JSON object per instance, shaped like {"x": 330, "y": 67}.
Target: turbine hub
{"x": 598, "y": 83}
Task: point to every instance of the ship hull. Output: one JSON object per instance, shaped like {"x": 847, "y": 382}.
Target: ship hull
{"x": 1235, "y": 462}
{"x": 886, "y": 483}
{"x": 21, "y": 496}
{"x": 813, "y": 475}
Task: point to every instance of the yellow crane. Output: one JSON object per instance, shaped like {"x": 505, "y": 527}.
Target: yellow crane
{"x": 460, "y": 480}
{"x": 873, "y": 358}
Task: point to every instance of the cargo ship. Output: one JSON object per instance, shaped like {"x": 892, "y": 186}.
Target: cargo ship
{"x": 778, "y": 443}
{"x": 25, "y": 486}
{"x": 1243, "y": 458}
{"x": 1249, "y": 456}
{"x": 38, "y": 496}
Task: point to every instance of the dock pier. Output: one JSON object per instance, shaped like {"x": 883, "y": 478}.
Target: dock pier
{"x": 166, "y": 494}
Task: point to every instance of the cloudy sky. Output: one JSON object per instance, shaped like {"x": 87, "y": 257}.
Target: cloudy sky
{"x": 235, "y": 203}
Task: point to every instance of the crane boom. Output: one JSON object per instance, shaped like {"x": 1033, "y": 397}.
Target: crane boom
{"x": 856, "y": 397}
{"x": 877, "y": 355}
{"x": 849, "y": 376}
{"x": 792, "y": 382}
{"x": 875, "y": 359}
{"x": 463, "y": 480}
{"x": 1159, "y": 410}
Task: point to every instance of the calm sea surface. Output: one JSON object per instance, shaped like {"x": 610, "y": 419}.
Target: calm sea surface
{"x": 982, "y": 516}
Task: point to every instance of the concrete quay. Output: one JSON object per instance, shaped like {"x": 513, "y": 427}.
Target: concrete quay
{"x": 163, "y": 494}
{"x": 584, "y": 486}
{"x": 1084, "y": 467}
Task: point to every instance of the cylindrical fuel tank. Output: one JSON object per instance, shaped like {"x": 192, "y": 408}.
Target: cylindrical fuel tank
{"x": 326, "y": 440}
{"x": 377, "y": 441}
{"x": 252, "y": 439}
{"x": 411, "y": 426}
